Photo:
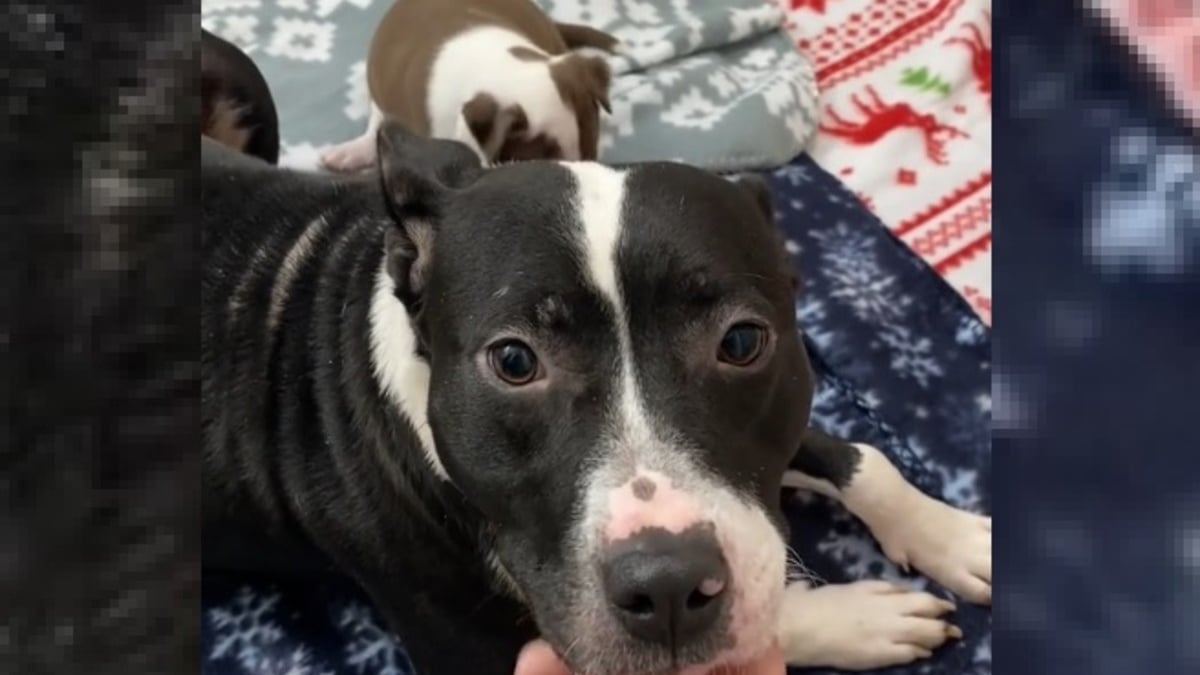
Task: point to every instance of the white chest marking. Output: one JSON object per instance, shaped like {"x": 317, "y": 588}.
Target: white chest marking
{"x": 403, "y": 376}
{"x": 600, "y": 200}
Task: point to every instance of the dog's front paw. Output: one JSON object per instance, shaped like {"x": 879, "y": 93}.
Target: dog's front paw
{"x": 861, "y": 626}
{"x": 350, "y": 156}
{"x": 951, "y": 546}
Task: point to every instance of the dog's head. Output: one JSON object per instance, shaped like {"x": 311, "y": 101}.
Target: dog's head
{"x": 548, "y": 109}
{"x": 616, "y": 383}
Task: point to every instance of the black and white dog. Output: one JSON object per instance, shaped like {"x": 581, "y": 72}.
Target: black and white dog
{"x": 550, "y": 399}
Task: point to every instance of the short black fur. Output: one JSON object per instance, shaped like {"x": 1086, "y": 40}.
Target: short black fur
{"x": 828, "y": 458}
{"x": 332, "y": 475}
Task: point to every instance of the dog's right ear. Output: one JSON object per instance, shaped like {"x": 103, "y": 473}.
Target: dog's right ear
{"x": 417, "y": 175}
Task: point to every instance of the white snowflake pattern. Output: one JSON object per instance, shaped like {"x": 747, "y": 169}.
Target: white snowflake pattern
{"x": 960, "y": 487}
{"x": 828, "y": 412}
{"x": 759, "y": 59}
{"x": 326, "y": 7}
{"x": 1146, "y": 215}
{"x": 855, "y": 551}
{"x": 301, "y": 39}
{"x": 600, "y": 13}
{"x": 795, "y": 174}
{"x": 760, "y": 73}
{"x": 981, "y": 658}
{"x": 693, "y": 110}
{"x": 369, "y": 647}
{"x": 1016, "y": 402}
{"x": 215, "y": 6}
{"x": 746, "y": 21}
{"x": 241, "y": 30}
{"x": 912, "y": 356}
{"x": 970, "y": 331}
{"x": 856, "y": 277}
{"x": 646, "y": 44}
{"x": 244, "y": 628}
{"x": 297, "y": 662}
{"x": 810, "y": 318}
{"x": 358, "y": 97}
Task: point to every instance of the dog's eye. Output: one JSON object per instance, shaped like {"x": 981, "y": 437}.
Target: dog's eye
{"x": 742, "y": 344}
{"x": 514, "y": 362}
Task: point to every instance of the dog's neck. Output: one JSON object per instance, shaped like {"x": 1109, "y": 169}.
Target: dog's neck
{"x": 403, "y": 376}
{"x": 402, "y": 373}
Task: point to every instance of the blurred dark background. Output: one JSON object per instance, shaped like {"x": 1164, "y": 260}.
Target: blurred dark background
{"x": 1097, "y": 354}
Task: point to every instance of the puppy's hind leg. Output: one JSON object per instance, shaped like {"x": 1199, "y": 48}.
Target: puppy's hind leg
{"x": 357, "y": 154}
{"x": 950, "y": 546}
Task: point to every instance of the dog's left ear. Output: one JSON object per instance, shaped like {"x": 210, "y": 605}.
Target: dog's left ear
{"x": 417, "y": 176}
{"x": 600, "y": 77}
{"x": 577, "y": 36}
{"x": 756, "y": 186}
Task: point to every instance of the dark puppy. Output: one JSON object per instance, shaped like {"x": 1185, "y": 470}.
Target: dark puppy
{"x": 237, "y": 108}
{"x": 542, "y": 399}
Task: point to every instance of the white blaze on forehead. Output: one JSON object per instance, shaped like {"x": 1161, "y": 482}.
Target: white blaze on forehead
{"x": 402, "y": 374}
{"x": 599, "y": 200}
{"x": 639, "y": 445}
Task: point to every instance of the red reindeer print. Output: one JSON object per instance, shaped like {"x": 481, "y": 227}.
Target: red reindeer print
{"x": 883, "y": 118}
{"x": 981, "y": 53}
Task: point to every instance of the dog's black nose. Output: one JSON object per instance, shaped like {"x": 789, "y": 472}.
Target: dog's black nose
{"x": 667, "y": 588}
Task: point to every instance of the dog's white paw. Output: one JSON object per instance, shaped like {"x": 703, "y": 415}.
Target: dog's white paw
{"x": 951, "y": 546}
{"x": 350, "y": 156}
{"x": 861, "y": 626}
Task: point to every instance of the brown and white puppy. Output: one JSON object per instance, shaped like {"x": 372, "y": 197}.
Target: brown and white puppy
{"x": 237, "y": 109}
{"x": 496, "y": 75}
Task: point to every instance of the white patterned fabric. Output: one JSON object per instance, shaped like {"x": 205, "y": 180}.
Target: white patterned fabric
{"x": 906, "y": 122}
{"x": 715, "y": 83}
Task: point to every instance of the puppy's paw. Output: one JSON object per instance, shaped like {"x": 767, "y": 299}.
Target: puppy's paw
{"x": 951, "y": 546}
{"x": 861, "y": 626}
{"x": 351, "y": 156}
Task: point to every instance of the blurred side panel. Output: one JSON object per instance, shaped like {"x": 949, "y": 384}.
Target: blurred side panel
{"x": 99, "y": 338}
{"x": 1097, "y": 352}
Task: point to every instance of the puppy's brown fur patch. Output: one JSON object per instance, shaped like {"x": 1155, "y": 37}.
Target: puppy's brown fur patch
{"x": 583, "y": 83}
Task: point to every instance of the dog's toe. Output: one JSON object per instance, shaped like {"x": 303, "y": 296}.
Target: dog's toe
{"x": 951, "y": 546}
{"x": 351, "y": 156}
{"x": 861, "y": 626}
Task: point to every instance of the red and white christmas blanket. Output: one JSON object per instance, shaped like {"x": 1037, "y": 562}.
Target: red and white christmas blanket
{"x": 906, "y": 101}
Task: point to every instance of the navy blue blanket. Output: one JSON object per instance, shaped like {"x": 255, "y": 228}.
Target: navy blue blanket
{"x": 903, "y": 364}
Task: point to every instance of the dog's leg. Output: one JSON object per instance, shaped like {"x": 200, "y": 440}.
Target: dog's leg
{"x": 875, "y": 624}
{"x": 357, "y": 154}
{"x": 861, "y": 626}
{"x": 950, "y": 546}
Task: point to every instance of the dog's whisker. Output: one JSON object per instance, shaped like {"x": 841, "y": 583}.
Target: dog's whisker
{"x": 798, "y": 571}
